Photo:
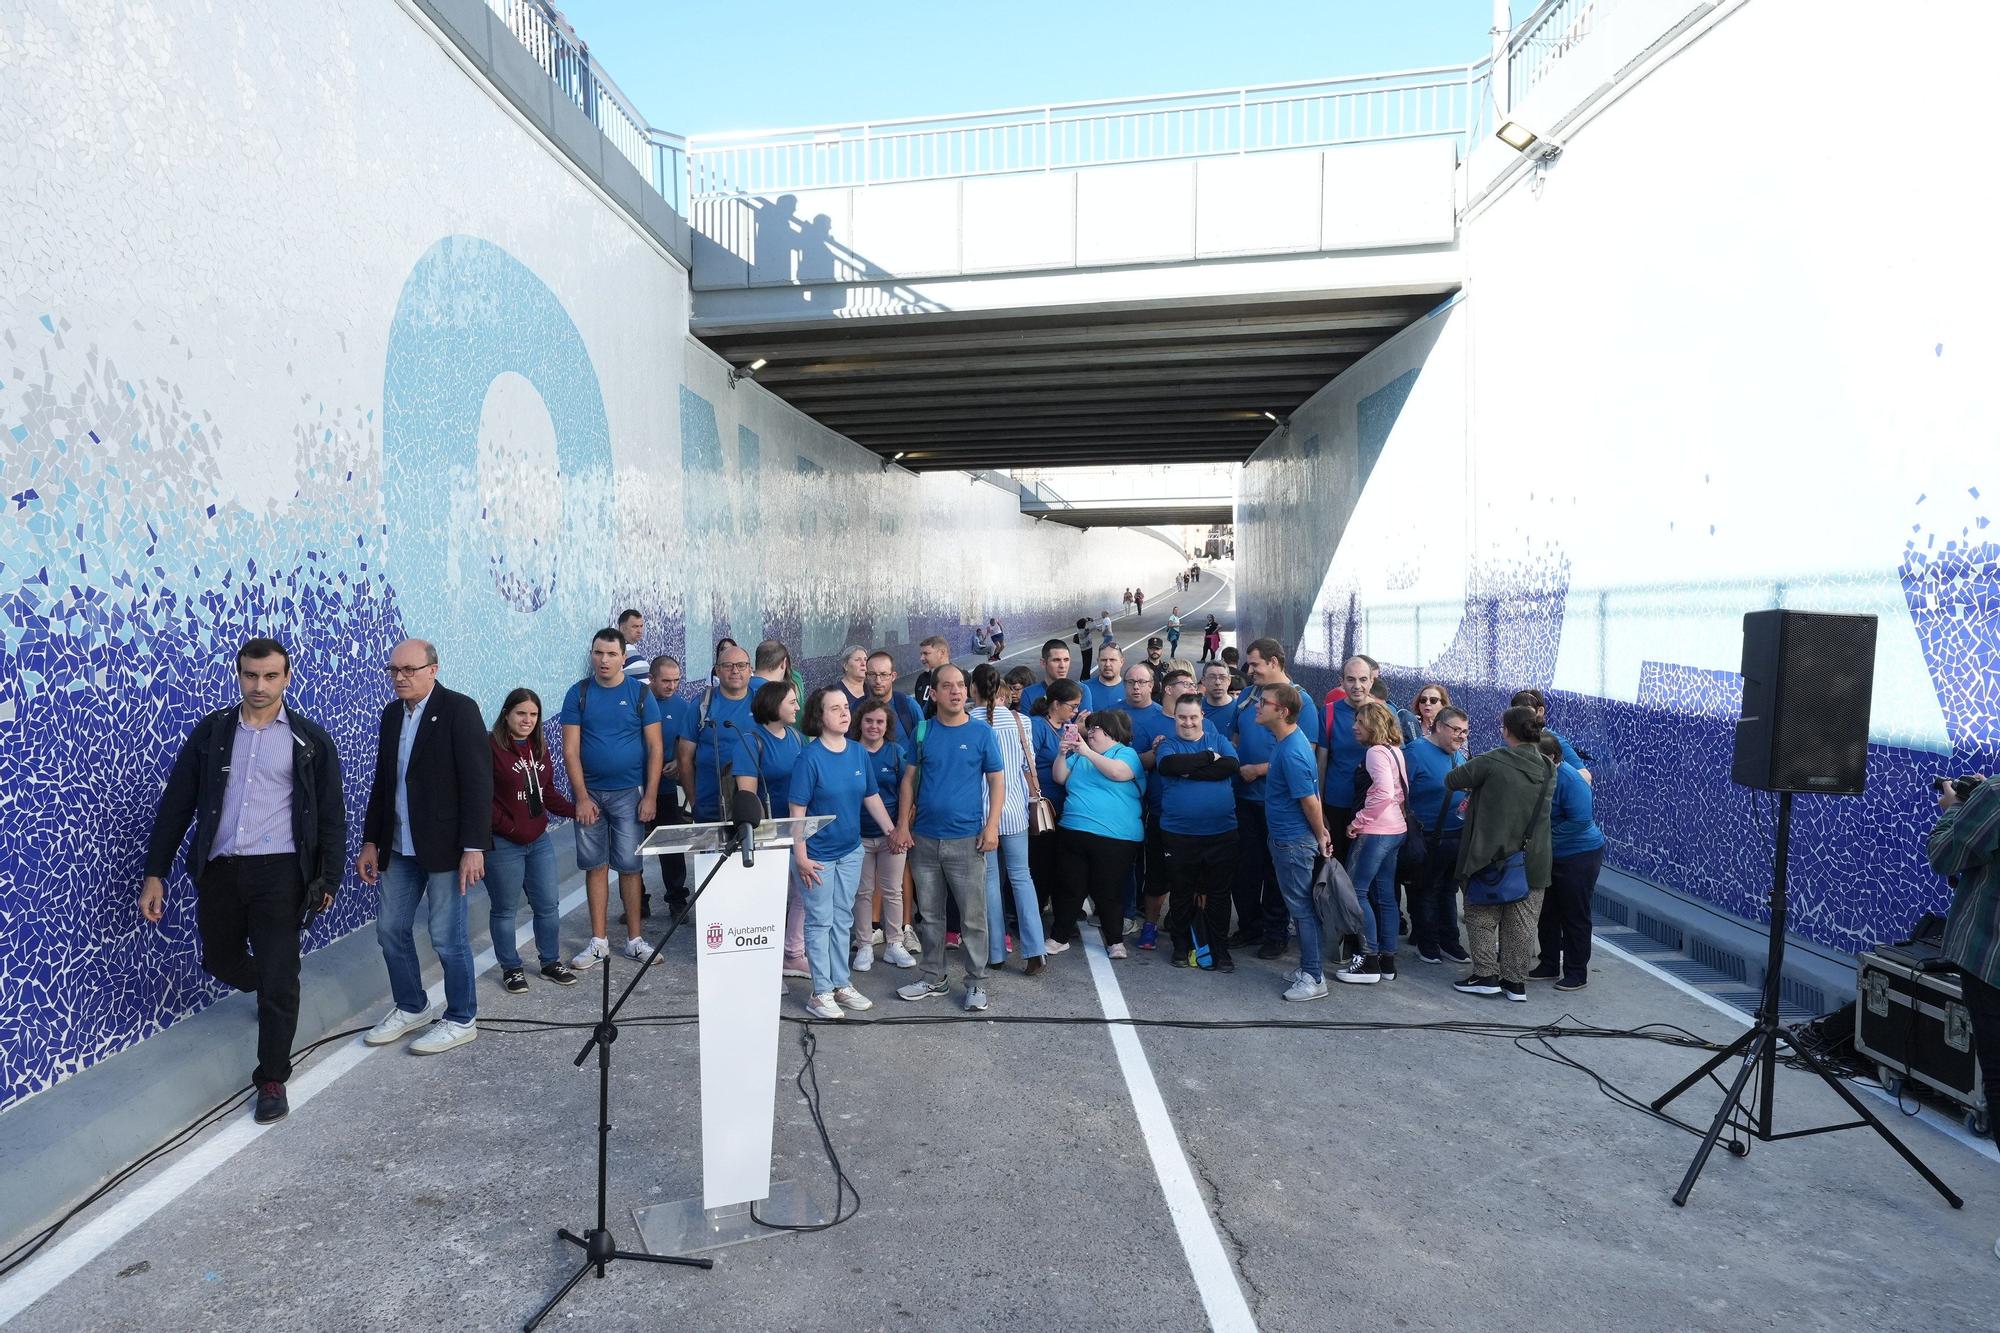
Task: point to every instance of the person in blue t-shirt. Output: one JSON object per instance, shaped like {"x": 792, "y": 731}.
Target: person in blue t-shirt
{"x": 1217, "y": 703}
{"x": 1538, "y": 701}
{"x": 611, "y": 749}
{"x": 1434, "y": 900}
{"x": 1296, "y": 829}
{"x": 1576, "y": 846}
{"x": 882, "y": 685}
{"x": 1102, "y": 827}
{"x": 832, "y": 776}
{"x": 721, "y": 714}
{"x": 1106, "y": 689}
{"x": 950, "y": 819}
{"x": 1060, "y": 701}
{"x": 1146, "y": 894}
{"x": 761, "y": 760}
{"x": 1342, "y": 754}
{"x": 1261, "y": 911}
{"x": 677, "y": 778}
{"x": 1191, "y": 771}
{"x": 1055, "y": 666}
{"x": 880, "y": 899}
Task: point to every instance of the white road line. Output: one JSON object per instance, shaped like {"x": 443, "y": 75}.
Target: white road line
{"x": 1214, "y": 1275}
{"x": 1945, "y": 1125}
{"x": 1222, "y": 585}
{"x": 57, "y": 1263}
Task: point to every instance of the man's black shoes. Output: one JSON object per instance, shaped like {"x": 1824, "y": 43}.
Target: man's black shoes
{"x": 271, "y": 1103}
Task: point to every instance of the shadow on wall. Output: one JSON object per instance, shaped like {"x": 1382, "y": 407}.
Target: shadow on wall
{"x": 827, "y": 277}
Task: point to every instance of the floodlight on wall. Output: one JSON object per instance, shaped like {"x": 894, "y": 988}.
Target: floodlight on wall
{"x": 747, "y": 372}
{"x": 1534, "y": 146}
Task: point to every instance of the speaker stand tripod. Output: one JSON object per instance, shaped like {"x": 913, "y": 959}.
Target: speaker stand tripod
{"x": 1759, "y": 1049}
{"x": 599, "y": 1247}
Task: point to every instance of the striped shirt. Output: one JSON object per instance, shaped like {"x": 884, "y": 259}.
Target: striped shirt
{"x": 1008, "y": 727}
{"x": 1966, "y": 844}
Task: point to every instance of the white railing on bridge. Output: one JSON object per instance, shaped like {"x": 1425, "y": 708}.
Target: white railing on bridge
{"x": 1441, "y": 102}
{"x": 1545, "y": 37}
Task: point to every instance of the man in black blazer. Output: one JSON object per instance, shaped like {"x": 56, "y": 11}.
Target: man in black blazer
{"x": 261, "y": 784}
{"x": 424, "y": 840}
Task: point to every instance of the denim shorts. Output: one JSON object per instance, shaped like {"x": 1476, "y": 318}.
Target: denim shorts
{"x": 616, "y": 834}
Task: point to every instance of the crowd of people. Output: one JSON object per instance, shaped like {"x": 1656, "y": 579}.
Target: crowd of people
{"x": 1184, "y": 805}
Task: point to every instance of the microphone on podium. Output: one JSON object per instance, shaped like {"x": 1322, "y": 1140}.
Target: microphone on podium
{"x": 745, "y": 815}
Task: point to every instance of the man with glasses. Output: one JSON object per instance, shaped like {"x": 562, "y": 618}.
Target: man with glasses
{"x": 1437, "y": 821}
{"x": 881, "y": 684}
{"x": 1146, "y": 887}
{"x": 261, "y": 784}
{"x": 613, "y": 753}
{"x": 1216, "y": 699}
{"x": 721, "y": 715}
{"x": 424, "y": 841}
{"x": 1343, "y": 753}
{"x": 677, "y": 779}
{"x": 1296, "y": 828}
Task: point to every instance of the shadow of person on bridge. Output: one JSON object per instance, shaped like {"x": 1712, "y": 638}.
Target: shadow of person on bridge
{"x": 775, "y": 233}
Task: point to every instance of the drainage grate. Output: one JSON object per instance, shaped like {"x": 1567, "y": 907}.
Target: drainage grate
{"x": 1726, "y": 961}
{"x": 1610, "y": 909}
{"x": 1796, "y": 994}
{"x": 1666, "y": 932}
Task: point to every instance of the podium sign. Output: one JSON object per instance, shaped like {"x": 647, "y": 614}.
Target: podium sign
{"x": 739, "y": 945}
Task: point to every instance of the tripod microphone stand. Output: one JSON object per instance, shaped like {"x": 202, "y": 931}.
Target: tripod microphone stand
{"x": 599, "y": 1247}
{"x": 1759, "y": 1048}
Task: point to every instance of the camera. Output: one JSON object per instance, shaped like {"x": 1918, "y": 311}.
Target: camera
{"x": 1962, "y": 785}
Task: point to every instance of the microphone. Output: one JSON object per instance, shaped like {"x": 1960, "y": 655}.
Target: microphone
{"x": 746, "y": 814}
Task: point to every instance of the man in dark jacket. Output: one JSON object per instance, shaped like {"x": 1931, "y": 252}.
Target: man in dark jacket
{"x": 424, "y": 839}
{"x": 261, "y": 785}
{"x": 1511, "y": 787}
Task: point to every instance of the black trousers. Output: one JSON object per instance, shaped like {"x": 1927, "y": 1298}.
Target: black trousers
{"x": 1337, "y": 821}
{"x": 673, "y": 869}
{"x": 1260, "y": 906}
{"x": 1200, "y": 866}
{"x": 1982, "y": 1002}
{"x": 1565, "y": 921}
{"x": 1091, "y": 866}
{"x": 255, "y": 901}
{"x": 1043, "y": 862}
{"x": 1434, "y": 897}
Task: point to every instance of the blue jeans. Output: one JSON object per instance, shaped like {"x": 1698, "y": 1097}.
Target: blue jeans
{"x": 404, "y": 886}
{"x": 1294, "y": 864}
{"x": 1371, "y": 864}
{"x": 829, "y": 908}
{"x": 614, "y": 838}
{"x": 1027, "y": 903}
{"x": 512, "y": 869}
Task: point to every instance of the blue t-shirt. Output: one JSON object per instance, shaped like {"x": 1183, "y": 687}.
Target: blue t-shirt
{"x": 1189, "y": 805}
{"x": 1029, "y": 695}
{"x": 1344, "y": 754}
{"x": 756, "y": 753}
{"x": 712, "y": 741}
{"x": 1572, "y": 816}
{"x": 887, "y": 765}
{"x": 951, "y": 791}
{"x": 1570, "y": 756}
{"x": 909, "y": 715}
{"x": 1428, "y": 764}
{"x": 1254, "y": 740}
{"x": 1148, "y": 722}
{"x": 612, "y": 719}
{"x": 1096, "y": 694}
{"x": 676, "y": 725}
{"x": 1048, "y": 742}
{"x": 1293, "y": 774}
{"x": 1218, "y": 715}
{"x": 826, "y": 783}
{"x": 1098, "y": 805}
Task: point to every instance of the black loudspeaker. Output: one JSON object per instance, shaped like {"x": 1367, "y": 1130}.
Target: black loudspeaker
{"x": 1807, "y": 680}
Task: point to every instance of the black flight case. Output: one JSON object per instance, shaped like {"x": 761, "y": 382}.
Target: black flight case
{"x": 1910, "y": 1019}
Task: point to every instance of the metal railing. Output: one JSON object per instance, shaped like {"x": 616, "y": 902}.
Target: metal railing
{"x": 1545, "y": 37}
{"x": 660, "y": 157}
{"x": 1410, "y": 104}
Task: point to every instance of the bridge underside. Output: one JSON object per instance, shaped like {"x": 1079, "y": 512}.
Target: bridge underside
{"x": 1184, "y": 383}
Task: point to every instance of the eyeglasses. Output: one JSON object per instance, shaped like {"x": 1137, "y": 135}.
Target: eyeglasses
{"x": 732, "y": 666}
{"x": 397, "y": 672}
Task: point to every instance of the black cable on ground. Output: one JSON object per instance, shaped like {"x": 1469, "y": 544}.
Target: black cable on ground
{"x": 847, "y": 1197}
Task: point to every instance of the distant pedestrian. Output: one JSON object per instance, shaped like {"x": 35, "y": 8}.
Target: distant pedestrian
{"x": 1139, "y": 601}
{"x": 1174, "y": 631}
{"x": 996, "y": 633}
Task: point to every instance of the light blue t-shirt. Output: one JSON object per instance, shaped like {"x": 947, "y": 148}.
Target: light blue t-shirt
{"x": 1094, "y": 803}
{"x": 756, "y": 753}
{"x": 1254, "y": 740}
{"x": 826, "y": 783}
{"x": 612, "y": 720}
{"x": 1294, "y": 774}
{"x": 1192, "y": 806}
{"x": 951, "y": 791}
{"x": 713, "y": 744}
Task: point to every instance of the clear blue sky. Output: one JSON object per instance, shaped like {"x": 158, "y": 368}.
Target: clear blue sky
{"x": 702, "y": 67}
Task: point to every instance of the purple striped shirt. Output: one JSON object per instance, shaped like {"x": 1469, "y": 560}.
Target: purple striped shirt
{"x": 257, "y": 800}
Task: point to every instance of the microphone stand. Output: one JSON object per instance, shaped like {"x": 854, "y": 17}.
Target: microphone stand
{"x": 599, "y": 1247}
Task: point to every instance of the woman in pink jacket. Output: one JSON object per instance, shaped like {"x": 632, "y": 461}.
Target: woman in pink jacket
{"x": 1376, "y": 834}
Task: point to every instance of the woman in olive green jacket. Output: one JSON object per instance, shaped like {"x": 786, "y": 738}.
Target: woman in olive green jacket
{"x": 1511, "y": 788}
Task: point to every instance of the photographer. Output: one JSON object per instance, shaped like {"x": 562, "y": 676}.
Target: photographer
{"x": 1965, "y": 848}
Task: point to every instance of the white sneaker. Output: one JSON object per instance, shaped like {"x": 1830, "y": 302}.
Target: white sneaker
{"x": 897, "y": 956}
{"x": 875, "y": 936}
{"x": 637, "y": 950}
{"x": 444, "y": 1035}
{"x": 397, "y": 1024}
{"x": 849, "y": 998}
{"x": 591, "y": 954}
{"x": 1115, "y": 951}
{"x": 864, "y": 958}
{"x": 823, "y": 1006}
{"x": 911, "y": 945}
{"x": 1054, "y": 947}
{"x": 1305, "y": 988}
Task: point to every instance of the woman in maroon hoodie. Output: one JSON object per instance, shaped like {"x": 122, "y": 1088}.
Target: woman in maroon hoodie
{"x": 523, "y": 858}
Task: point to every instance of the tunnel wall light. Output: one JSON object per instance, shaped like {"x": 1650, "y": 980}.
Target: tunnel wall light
{"x": 1534, "y": 146}
{"x": 737, "y": 373}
